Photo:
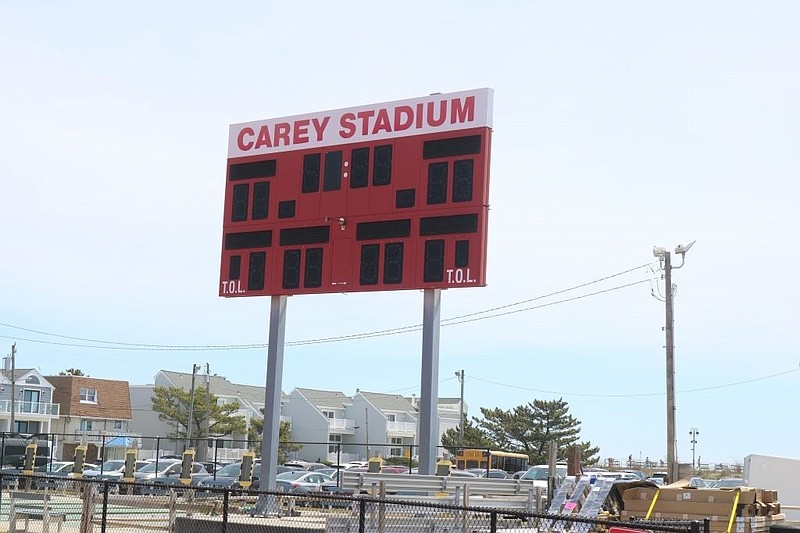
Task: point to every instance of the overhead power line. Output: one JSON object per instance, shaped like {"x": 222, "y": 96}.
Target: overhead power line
{"x": 635, "y": 395}
{"x": 485, "y": 314}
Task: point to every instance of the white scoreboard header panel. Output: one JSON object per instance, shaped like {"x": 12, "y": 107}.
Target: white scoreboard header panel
{"x": 367, "y": 123}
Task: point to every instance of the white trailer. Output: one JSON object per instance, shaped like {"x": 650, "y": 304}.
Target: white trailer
{"x": 776, "y": 473}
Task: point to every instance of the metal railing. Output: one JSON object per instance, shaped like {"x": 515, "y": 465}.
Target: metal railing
{"x": 26, "y": 408}
{"x": 341, "y": 424}
{"x": 92, "y": 506}
{"x": 409, "y": 428}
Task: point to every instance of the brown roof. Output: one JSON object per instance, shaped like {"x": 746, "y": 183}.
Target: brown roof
{"x": 113, "y": 397}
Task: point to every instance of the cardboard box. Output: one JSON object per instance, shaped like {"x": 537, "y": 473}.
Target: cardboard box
{"x": 639, "y": 493}
{"x": 703, "y": 509}
{"x": 637, "y": 505}
{"x": 755, "y": 524}
{"x": 746, "y": 495}
{"x": 767, "y": 496}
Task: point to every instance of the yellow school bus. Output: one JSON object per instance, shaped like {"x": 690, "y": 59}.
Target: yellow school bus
{"x": 476, "y": 458}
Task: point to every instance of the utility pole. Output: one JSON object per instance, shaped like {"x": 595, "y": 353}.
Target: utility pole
{"x": 672, "y": 463}
{"x": 13, "y": 383}
{"x": 207, "y": 424}
{"x": 669, "y": 331}
{"x": 460, "y": 375}
{"x": 189, "y": 422}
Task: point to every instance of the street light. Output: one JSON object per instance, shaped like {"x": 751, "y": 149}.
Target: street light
{"x": 666, "y": 264}
{"x": 693, "y": 432}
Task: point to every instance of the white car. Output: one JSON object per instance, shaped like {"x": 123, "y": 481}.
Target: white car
{"x": 539, "y": 473}
{"x": 112, "y": 469}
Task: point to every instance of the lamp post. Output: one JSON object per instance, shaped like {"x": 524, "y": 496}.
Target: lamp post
{"x": 666, "y": 265}
{"x": 460, "y": 376}
{"x": 693, "y": 432}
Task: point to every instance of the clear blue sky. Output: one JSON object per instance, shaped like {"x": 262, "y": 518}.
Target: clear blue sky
{"x": 617, "y": 126}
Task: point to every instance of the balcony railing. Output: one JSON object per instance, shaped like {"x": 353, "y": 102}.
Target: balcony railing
{"x": 401, "y": 427}
{"x": 341, "y": 424}
{"x": 104, "y": 437}
{"x": 30, "y": 408}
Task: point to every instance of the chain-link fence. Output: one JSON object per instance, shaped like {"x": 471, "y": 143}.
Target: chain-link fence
{"x": 55, "y": 504}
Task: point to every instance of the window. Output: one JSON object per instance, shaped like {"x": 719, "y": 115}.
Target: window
{"x": 391, "y": 418}
{"x": 329, "y": 414}
{"x": 88, "y": 395}
{"x": 117, "y": 424}
{"x": 396, "y": 452}
{"x": 86, "y": 425}
{"x": 335, "y": 442}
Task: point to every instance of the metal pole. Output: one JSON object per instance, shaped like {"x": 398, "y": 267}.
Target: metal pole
{"x": 428, "y": 413}
{"x": 270, "y": 438}
{"x": 13, "y": 382}
{"x": 207, "y": 423}
{"x": 189, "y": 421}
{"x": 461, "y": 409}
{"x": 672, "y": 464}
{"x": 693, "y": 432}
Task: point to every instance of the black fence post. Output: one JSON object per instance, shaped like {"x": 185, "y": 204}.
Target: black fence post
{"x": 493, "y": 522}
{"x": 225, "y": 510}
{"x": 339, "y": 464}
{"x": 216, "y": 457}
{"x": 158, "y": 451}
{"x": 362, "y": 515}
{"x": 105, "y": 507}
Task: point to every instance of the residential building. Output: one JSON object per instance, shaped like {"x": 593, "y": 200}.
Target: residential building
{"x": 385, "y": 418}
{"x": 93, "y": 412}
{"x": 448, "y": 411}
{"x": 30, "y": 394}
{"x": 322, "y": 422}
{"x": 249, "y": 398}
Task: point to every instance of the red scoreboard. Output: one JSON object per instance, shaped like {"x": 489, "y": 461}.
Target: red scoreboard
{"x": 379, "y": 197}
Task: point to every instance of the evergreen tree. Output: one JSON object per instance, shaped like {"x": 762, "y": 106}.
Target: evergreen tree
{"x": 474, "y": 437}
{"x": 285, "y": 444}
{"x": 171, "y": 404}
{"x": 529, "y": 429}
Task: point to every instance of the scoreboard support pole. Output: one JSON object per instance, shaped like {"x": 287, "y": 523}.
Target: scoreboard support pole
{"x": 429, "y": 390}
{"x": 270, "y": 438}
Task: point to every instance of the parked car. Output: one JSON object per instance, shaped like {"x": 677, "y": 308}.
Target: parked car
{"x": 56, "y": 469}
{"x": 698, "y": 483}
{"x": 112, "y": 469}
{"x": 453, "y": 472}
{"x": 354, "y": 464}
{"x": 330, "y": 471}
{"x": 300, "y": 481}
{"x": 728, "y": 483}
{"x": 616, "y": 476}
{"x": 461, "y": 473}
{"x": 539, "y": 474}
{"x": 165, "y": 473}
{"x": 228, "y": 477}
{"x": 491, "y": 473}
